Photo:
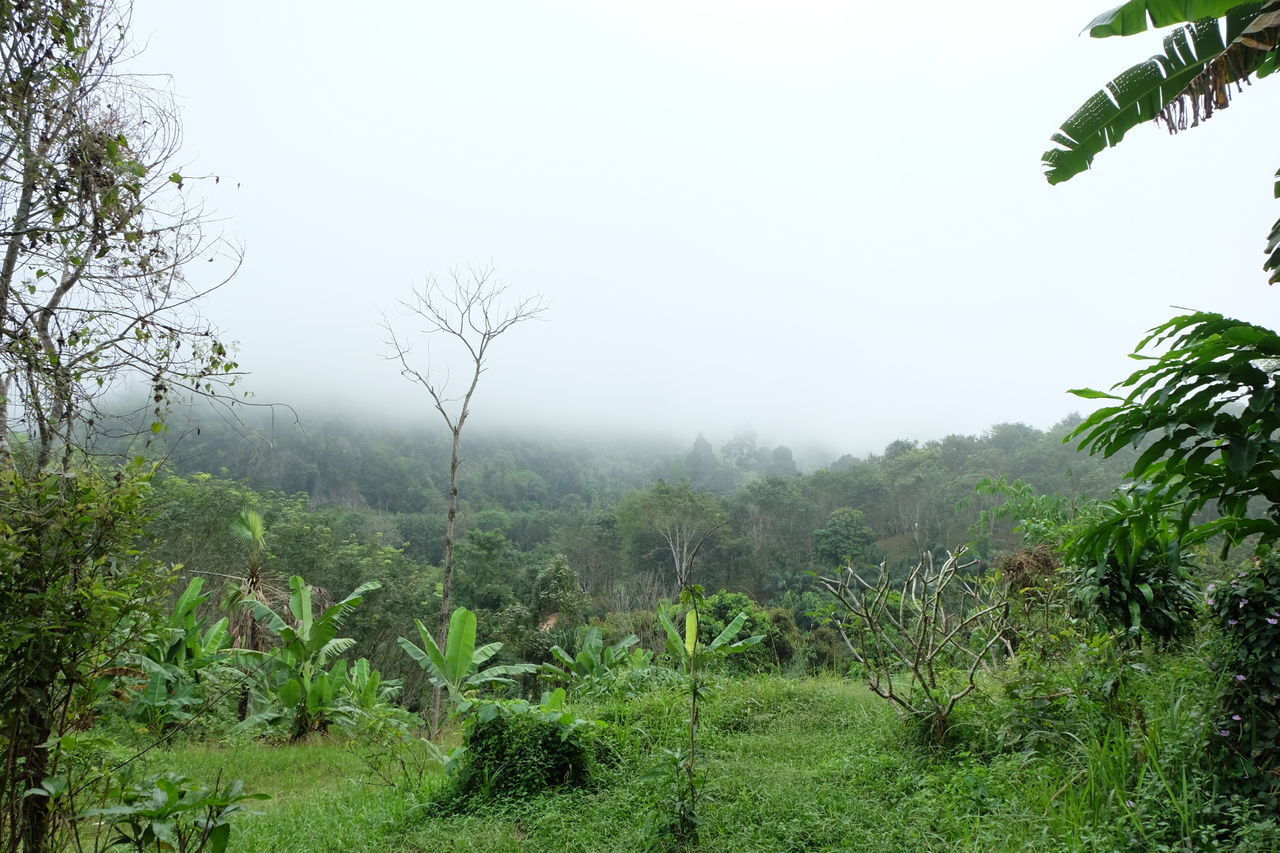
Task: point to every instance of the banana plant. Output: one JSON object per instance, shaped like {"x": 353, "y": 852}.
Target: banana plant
{"x": 457, "y": 667}
{"x": 682, "y": 771}
{"x": 595, "y": 666}
{"x": 179, "y": 641}
{"x": 365, "y": 688}
{"x": 683, "y": 650}
{"x": 173, "y": 660}
{"x": 306, "y": 689}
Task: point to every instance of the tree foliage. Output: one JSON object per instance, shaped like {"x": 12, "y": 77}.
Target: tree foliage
{"x": 74, "y": 597}
{"x": 1204, "y": 415}
{"x": 97, "y": 229}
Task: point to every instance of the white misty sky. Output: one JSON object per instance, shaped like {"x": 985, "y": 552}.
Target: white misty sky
{"x": 826, "y": 220}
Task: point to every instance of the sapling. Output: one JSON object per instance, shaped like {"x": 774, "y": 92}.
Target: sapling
{"x": 693, "y": 657}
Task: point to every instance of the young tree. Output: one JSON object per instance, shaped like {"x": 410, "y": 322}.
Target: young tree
{"x": 471, "y": 315}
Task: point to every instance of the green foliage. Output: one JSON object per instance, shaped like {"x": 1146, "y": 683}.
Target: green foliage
{"x": 684, "y": 788}
{"x": 687, "y": 651}
{"x": 1131, "y": 574}
{"x": 175, "y": 660}
{"x": 305, "y": 691}
{"x": 1183, "y": 86}
{"x": 515, "y": 749}
{"x": 776, "y": 628}
{"x": 557, "y": 590}
{"x": 596, "y": 669}
{"x": 457, "y": 667}
{"x": 1038, "y": 519}
{"x": 1144, "y": 91}
{"x": 75, "y": 597}
{"x": 844, "y": 539}
{"x": 170, "y": 812}
{"x": 683, "y": 520}
{"x": 1245, "y": 752}
{"x": 1207, "y": 408}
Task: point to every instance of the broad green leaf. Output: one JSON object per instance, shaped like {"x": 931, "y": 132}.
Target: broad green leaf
{"x": 188, "y": 602}
{"x": 157, "y": 690}
{"x": 691, "y": 631}
{"x": 555, "y": 702}
{"x": 743, "y": 645}
{"x": 300, "y": 604}
{"x": 730, "y": 631}
{"x": 1137, "y": 95}
{"x": 1132, "y": 17}
{"x": 460, "y": 645}
{"x": 485, "y": 652}
{"x": 215, "y": 639}
{"x": 290, "y": 693}
{"x": 1090, "y": 394}
{"x": 333, "y": 648}
{"x": 675, "y": 644}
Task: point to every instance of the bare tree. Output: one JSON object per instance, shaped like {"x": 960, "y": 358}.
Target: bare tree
{"x": 472, "y": 314}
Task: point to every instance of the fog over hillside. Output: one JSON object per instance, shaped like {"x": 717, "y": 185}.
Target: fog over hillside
{"x": 738, "y": 213}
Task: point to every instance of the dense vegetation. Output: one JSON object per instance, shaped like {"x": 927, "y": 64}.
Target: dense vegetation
{"x": 985, "y": 642}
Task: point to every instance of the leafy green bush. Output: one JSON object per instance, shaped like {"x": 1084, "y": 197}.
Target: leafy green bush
{"x": 597, "y": 669}
{"x": 515, "y": 749}
{"x": 776, "y": 627}
{"x": 170, "y": 812}
{"x": 1130, "y": 571}
{"x": 1246, "y": 748}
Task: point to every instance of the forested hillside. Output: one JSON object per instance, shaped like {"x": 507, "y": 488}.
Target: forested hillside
{"x": 345, "y": 503}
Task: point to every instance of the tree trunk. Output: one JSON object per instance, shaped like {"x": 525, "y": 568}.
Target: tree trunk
{"x": 446, "y": 586}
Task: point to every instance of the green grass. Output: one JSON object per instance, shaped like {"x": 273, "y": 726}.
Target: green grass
{"x": 318, "y": 802}
{"x": 790, "y": 765}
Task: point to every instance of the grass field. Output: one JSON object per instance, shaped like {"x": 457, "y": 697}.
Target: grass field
{"x": 790, "y": 765}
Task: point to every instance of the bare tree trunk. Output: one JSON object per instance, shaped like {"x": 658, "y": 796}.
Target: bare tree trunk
{"x": 446, "y": 584}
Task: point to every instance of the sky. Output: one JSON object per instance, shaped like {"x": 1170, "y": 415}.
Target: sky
{"x": 826, "y": 221}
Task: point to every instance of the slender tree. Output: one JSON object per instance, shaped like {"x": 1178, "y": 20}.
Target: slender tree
{"x": 95, "y": 231}
{"x": 471, "y": 314}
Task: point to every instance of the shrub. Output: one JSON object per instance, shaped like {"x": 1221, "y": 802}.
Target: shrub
{"x": 1246, "y": 751}
{"x": 776, "y": 626}
{"x": 515, "y": 749}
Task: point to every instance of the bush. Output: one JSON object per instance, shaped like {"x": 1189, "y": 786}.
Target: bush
{"x": 1246, "y": 750}
{"x": 514, "y": 749}
{"x": 777, "y": 626}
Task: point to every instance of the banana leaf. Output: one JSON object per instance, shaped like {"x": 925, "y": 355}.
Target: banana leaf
{"x": 1185, "y": 84}
{"x": 1132, "y": 17}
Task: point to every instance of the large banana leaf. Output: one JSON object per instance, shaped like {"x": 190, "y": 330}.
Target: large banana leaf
{"x": 460, "y": 645}
{"x": 1132, "y": 17}
{"x": 675, "y": 643}
{"x": 429, "y": 657}
{"x": 1142, "y": 92}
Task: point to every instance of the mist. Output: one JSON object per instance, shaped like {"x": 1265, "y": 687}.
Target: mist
{"x": 796, "y": 219}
